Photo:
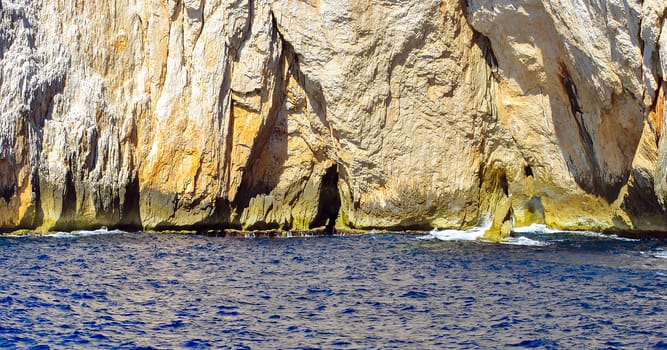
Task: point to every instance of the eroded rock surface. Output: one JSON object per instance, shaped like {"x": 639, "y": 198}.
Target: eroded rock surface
{"x": 304, "y": 115}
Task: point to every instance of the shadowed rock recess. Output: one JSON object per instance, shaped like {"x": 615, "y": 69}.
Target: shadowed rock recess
{"x": 322, "y": 115}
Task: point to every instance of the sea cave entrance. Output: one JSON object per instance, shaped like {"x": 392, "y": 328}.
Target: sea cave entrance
{"x": 329, "y": 202}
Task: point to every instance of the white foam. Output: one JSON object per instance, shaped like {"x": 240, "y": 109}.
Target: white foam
{"x": 535, "y": 228}
{"x": 601, "y": 235}
{"x": 543, "y": 229}
{"x": 475, "y": 234}
{"x": 660, "y": 254}
{"x": 525, "y": 242}
{"x": 456, "y": 235}
{"x": 83, "y": 233}
{"x": 72, "y": 234}
{"x": 14, "y": 235}
{"x": 539, "y": 229}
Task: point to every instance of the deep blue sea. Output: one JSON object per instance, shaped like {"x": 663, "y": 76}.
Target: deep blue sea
{"x": 549, "y": 290}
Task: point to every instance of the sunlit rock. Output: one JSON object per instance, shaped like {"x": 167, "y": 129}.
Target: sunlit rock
{"x": 316, "y": 115}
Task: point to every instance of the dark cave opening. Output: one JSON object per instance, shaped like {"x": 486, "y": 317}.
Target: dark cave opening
{"x": 130, "y": 209}
{"x": 329, "y": 203}
{"x": 528, "y": 171}
{"x": 504, "y": 185}
{"x": 7, "y": 192}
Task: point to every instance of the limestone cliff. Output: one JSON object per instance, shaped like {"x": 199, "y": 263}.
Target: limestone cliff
{"x": 305, "y": 114}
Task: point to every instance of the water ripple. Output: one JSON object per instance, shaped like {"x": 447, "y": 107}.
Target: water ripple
{"x": 148, "y": 291}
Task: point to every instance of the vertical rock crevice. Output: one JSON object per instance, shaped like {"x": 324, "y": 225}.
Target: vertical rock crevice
{"x": 250, "y": 185}
{"x": 496, "y": 199}
{"x": 68, "y": 209}
{"x": 288, "y": 163}
{"x": 590, "y": 182}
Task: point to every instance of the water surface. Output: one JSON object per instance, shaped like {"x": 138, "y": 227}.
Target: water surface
{"x": 140, "y": 290}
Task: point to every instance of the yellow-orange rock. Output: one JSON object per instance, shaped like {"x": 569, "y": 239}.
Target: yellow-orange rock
{"x": 310, "y": 115}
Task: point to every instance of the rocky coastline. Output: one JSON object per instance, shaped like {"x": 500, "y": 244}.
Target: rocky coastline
{"x": 328, "y": 115}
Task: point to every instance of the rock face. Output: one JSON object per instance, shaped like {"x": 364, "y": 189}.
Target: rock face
{"x": 314, "y": 114}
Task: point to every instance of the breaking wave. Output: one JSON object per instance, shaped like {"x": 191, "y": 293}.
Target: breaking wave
{"x": 532, "y": 235}
{"x": 521, "y": 240}
{"x": 82, "y": 233}
{"x": 544, "y": 230}
{"x": 456, "y": 235}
